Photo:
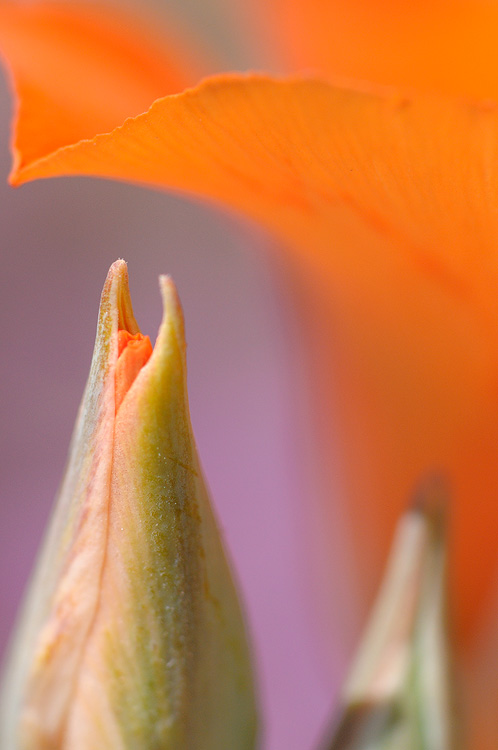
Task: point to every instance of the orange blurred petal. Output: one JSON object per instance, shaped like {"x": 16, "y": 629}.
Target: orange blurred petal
{"x": 431, "y": 44}
{"x": 82, "y": 69}
{"x": 389, "y": 204}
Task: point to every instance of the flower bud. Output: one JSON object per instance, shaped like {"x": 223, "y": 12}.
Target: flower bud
{"x": 399, "y": 694}
{"x": 131, "y": 635}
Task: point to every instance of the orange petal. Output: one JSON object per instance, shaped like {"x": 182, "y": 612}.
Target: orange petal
{"x": 134, "y": 351}
{"x": 82, "y": 69}
{"x": 389, "y": 206}
{"x": 432, "y": 44}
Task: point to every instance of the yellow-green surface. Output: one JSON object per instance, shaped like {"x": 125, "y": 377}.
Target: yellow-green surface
{"x": 399, "y": 695}
{"x": 132, "y": 635}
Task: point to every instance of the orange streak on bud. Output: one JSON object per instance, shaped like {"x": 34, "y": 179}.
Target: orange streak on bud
{"x": 134, "y": 351}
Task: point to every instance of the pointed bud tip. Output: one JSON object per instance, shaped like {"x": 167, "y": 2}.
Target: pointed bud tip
{"x": 118, "y": 265}
{"x": 172, "y": 309}
{"x": 118, "y": 272}
{"x": 431, "y": 499}
{"x": 169, "y": 292}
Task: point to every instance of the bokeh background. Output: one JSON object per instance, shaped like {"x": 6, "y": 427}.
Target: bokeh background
{"x": 248, "y": 389}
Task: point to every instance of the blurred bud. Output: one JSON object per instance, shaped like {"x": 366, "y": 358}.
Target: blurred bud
{"x": 399, "y": 693}
{"x": 131, "y": 637}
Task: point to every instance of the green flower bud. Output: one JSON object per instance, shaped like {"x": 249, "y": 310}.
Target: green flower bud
{"x": 131, "y": 637}
{"x": 399, "y": 694}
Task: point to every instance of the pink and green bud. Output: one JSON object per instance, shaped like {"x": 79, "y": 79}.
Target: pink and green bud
{"x": 131, "y": 635}
{"x": 400, "y": 692}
